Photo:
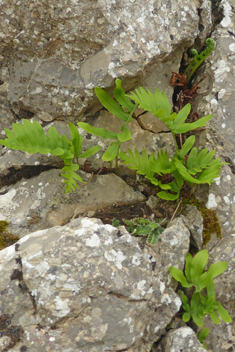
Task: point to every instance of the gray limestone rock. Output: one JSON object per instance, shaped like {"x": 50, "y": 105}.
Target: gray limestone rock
{"x": 82, "y": 287}
{"x": 40, "y": 202}
{"x": 170, "y": 250}
{"x": 55, "y": 52}
{"x": 222, "y": 337}
{"x": 194, "y": 222}
{"x": 181, "y": 340}
{"x": 221, "y": 128}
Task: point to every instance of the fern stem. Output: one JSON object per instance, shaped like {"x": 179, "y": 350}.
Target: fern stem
{"x": 116, "y": 160}
{"x": 175, "y": 141}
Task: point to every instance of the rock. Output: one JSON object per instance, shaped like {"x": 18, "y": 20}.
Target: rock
{"x": 222, "y": 337}
{"x": 170, "y": 250}
{"x": 194, "y": 222}
{"x": 220, "y": 102}
{"x": 53, "y": 68}
{"x": 40, "y": 202}
{"x": 181, "y": 340}
{"x": 85, "y": 287}
{"x": 142, "y": 137}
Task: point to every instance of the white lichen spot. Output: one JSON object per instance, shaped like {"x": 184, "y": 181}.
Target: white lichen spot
{"x": 111, "y": 65}
{"x": 89, "y": 223}
{"x": 223, "y": 125}
{"x": 113, "y": 256}
{"x": 141, "y": 286}
{"x": 162, "y": 286}
{"x": 6, "y": 198}
{"x": 150, "y": 291}
{"x": 42, "y": 267}
{"x": 221, "y": 68}
{"x": 217, "y": 181}
{"x": 186, "y": 332}
{"x": 227, "y": 11}
{"x": 166, "y": 299}
{"x": 232, "y": 47}
{"x": 226, "y": 223}
{"x": 94, "y": 241}
{"x": 178, "y": 302}
{"x": 214, "y": 103}
{"x": 211, "y": 203}
{"x": 136, "y": 259}
{"x": 62, "y": 308}
{"x": 221, "y": 93}
{"x": 226, "y": 200}
{"x": 79, "y": 232}
{"x": 51, "y": 339}
{"x": 108, "y": 241}
{"x": 229, "y": 177}
{"x": 156, "y": 329}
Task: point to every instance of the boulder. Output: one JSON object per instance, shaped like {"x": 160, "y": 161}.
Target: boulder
{"x": 81, "y": 287}
{"x": 54, "y": 53}
{"x": 181, "y": 340}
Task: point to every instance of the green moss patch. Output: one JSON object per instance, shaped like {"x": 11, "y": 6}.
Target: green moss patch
{"x": 210, "y": 221}
{"x": 6, "y": 238}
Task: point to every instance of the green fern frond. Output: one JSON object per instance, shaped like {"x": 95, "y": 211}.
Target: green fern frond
{"x": 137, "y": 161}
{"x": 30, "y": 137}
{"x": 145, "y": 227}
{"x": 71, "y": 176}
{"x": 157, "y": 103}
{"x": 199, "y": 58}
{"x": 162, "y": 164}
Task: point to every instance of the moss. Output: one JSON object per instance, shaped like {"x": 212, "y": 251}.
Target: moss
{"x": 6, "y": 238}
{"x": 210, "y": 221}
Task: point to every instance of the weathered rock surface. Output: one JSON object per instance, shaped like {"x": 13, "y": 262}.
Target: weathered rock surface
{"x": 54, "y": 53}
{"x": 181, "y": 340}
{"x": 82, "y": 287}
{"x": 194, "y": 221}
{"x": 221, "y": 128}
{"x": 87, "y": 286}
{"x": 170, "y": 250}
{"x": 40, "y": 202}
{"x": 222, "y": 337}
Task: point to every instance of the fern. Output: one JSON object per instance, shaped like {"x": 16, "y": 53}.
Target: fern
{"x": 199, "y": 58}
{"x": 71, "y": 176}
{"x": 30, "y": 137}
{"x": 137, "y": 161}
{"x": 157, "y": 103}
{"x": 145, "y": 227}
{"x": 159, "y": 106}
{"x": 199, "y": 165}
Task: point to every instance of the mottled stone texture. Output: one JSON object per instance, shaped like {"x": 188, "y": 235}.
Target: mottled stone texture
{"x": 54, "y": 52}
{"x": 181, "y": 340}
{"x": 222, "y": 337}
{"x": 87, "y": 287}
{"x": 40, "y": 202}
{"x": 82, "y": 287}
{"x": 170, "y": 250}
{"x": 221, "y": 129}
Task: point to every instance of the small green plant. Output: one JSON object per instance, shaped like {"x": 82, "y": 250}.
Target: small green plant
{"x": 199, "y": 168}
{"x": 187, "y": 165}
{"x": 30, "y": 137}
{"x": 203, "y": 300}
{"x": 143, "y": 227}
{"x": 117, "y": 109}
{"x": 203, "y": 335}
{"x": 199, "y": 58}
